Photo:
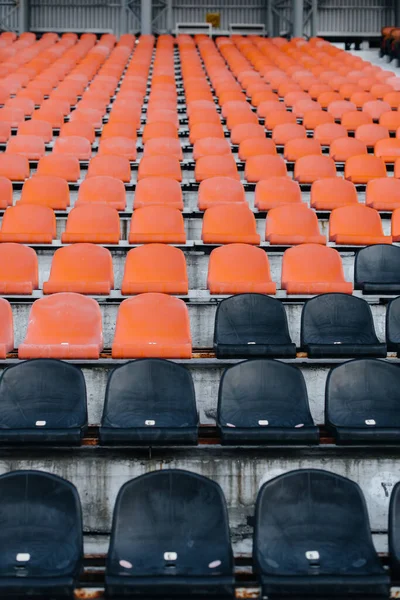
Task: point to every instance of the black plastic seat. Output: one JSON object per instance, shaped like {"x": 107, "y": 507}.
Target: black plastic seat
{"x": 312, "y": 538}
{"x": 377, "y": 269}
{"x": 42, "y": 401}
{"x": 393, "y": 326}
{"x": 264, "y": 401}
{"x": 150, "y": 401}
{"x": 170, "y": 537}
{"x": 394, "y": 532}
{"x": 362, "y": 402}
{"x": 250, "y": 325}
{"x": 339, "y": 325}
{"x": 40, "y": 536}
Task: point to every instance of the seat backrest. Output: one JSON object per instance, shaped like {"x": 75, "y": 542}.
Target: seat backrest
{"x": 155, "y": 266}
{"x": 82, "y": 262}
{"x": 379, "y": 263}
{"x": 263, "y": 167}
{"x": 117, "y": 167}
{"x": 312, "y": 262}
{"x": 153, "y": 518}
{"x": 337, "y": 318}
{"x": 32, "y": 219}
{"x": 31, "y": 146}
{"x": 66, "y": 167}
{"x": 288, "y": 131}
{"x": 292, "y": 219}
{"x": 81, "y": 129}
{"x": 331, "y": 190}
{"x": 164, "y": 147}
{"x": 46, "y": 190}
{"x": 53, "y": 396}
{"x": 160, "y": 166}
{"x": 276, "y": 191}
{"x": 244, "y": 131}
{"x": 230, "y": 220}
{"x": 14, "y": 166}
{"x": 312, "y": 167}
{"x": 74, "y": 145}
{"x": 216, "y": 166}
{"x": 299, "y": 501}
{"x": 36, "y": 127}
{"x": 371, "y": 133}
{"x": 150, "y": 389}
{"x": 86, "y": 223}
{"x": 342, "y": 148}
{"x": 102, "y": 189}
{"x": 41, "y": 514}
{"x": 220, "y": 190}
{"x": 256, "y": 146}
{"x": 328, "y": 132}
{"x": 363, "y": 168}
{"x": 155, "y": 220}
{"x": 354, "y": 220}
{"x": 18, "y": 268}
{"x": 353, "y": 119}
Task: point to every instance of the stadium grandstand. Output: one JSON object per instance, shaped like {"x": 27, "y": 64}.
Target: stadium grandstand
{"x": 200, "y": 282}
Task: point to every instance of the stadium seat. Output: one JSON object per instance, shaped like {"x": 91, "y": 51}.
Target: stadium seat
{"x": 390, "y": 120}
{"x": 239, "y": 268}
{"x": 157, "y": 224}
{"x": 383, "y": 194}
{"x": 18, "y": 269}
{"x": 5, "y": 132}
{"x": 152, "y": 326}
{"x": 375, "y": 108}
{"x": 255, "y": 146}
{"x": 287, "y": 131}
{"x": 158, "y": 191}
{"x": 7, "y": 328}
{"x": 6, "y": 193}
{"x": 92, "y": 116}
{"x": 38, "y": 128}
{"x": 342, "y": 148}
{"x": 278, "y": 117}
{"x": 12, "y": 116}
{"x": 388, "y": 149}
{"x": 313, "y": 269}
{"x": 149, "y": 402}
{"x": 376, "y": 269}
{"x": 339, "y": 326}
{"x": 31, "y": 146}
{"x": 42, "y": 530}
{"x": 102, "y": 189}
{"x": 159, "y": 130}
{"x": 116, "y": 130}
{"x": 362, "y": 403}
{"x": 371, "y": 134}
{"x": 94, "y": 224}
{"x": 220, "y": 190}
{"x": 73, "y": 145}
{"x": 354, "y": 119}
{"x": 297, "y": 147}
{"x": 51, "y": 114}
{"x": 312, "y": 118}
{"x": 309, "y": 168}
{"x": 51, "y": 191}
{"x": 164, "y": 147}
{"x": 356, "y": 225}
{"x": 117, "y": 167}
{"x": 77, "y": 335}
{"x": 160, "y": 166}
{"x": 82, "y": 268}
{"x": 252, "y": 325}
{"x": 210, "y": 146}
{"x": 32, "y": 224}
{"x": 338, "y": 108}
{"x": 332, "y": 192}
{"x": 78, "y": 128}
{"x": 178, "y": 555}
{"x": 322, "y": 556}
{"x": 216, "y": 166}
{"x": 326, "y": 133}
{"x": 14, "y": 167}
{"x": 293, "y": 224}
{"x": 155, "y": 268}
{"x": 119, "y": 146}
{"x": 49, "y": 407}
{"x": 363, "y": 168}
{"x": 265, "y": 418}
{"x": 229, "y": 223}
{"x": 393, "y": 532}
{"x": 57, "y": 165}
{"x": 263, "y": 167}
{"x": 205, "y": 130}
{"x": 244, "y": 131}
{"x": 276, "y": 191}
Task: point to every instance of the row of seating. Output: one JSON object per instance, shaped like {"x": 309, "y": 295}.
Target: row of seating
{"x": 158, "y": 548}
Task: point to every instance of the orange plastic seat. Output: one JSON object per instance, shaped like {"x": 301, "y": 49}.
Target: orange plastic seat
{"x": 396, "y": 225}
{"x": 239, "y": 268}
{"x": 119, "y": 146}
{"x": 117, "y": 129}
{"x": 57, "y": 165}
{"x": 51, "y": 114}
{"x": 25, "y": 104}
{"x": 63, "y": 326}
{"x": 211, "y": 146}
{"x": 205, "y": 130}
{"x": 359, "y": 98}
{"x": 160, "y": 166}
{"x": 216, "y": 166}
{"x": 87, "y": 115}
{"x": 31, "y": 224}
{"x": 312, "y": 118}
{"x": 330, "y": 193}
{"x": 313, "y": 269}
{"x": 298, "y": 147}
{"x": 157, "y": 224}
{"x": 81, "y": 268}
{"x": 152, "y": 325}
{"x": 291, "y": 225}
{"x": 256, "y": 147}
{"x": 342, "y": 148}
{"x": 95, "y": 224}
{"x": 18, "y": 270}
{"x": 287, "y": 131}
{"x": 158, "y": 191}
{"x": 38, "y": 128}
{"x": 163, "y": 147}
{"x": 245, "y": 131}
{"x": 155, "y": 268}
{"x": 279, "y": 117}
{"x": 353, "y": 119}
{"x": 117, "y": 167}
{"x": 14, "y": 167}
{"x": 7, "y": 328}
{"x": 309, "y": 168}
{"x": 390, "y": 120}
{"x": 388, "y": 149}
{"x": 241, "y": 117}
{"x": 363, "y": 168}
{"x": 102, "y": 189}
{"x": 12, "y": 116}
{"x": 370, "y": 134}
{"x": 325, "y": 134}
{"x": 357, "y": 225}
{"x": 263, "y": 167}
{"x": 276, "y": 191}
{"x": 159, "y": 130}
{"x": 5, "y": 132}
{"x": 78, "y": 128}
{"x": 6, "y": 193}
{"x": 31, "y": 146}
{"x": 47, "y": 190}
{"x": 73, "y": 145}
{"x": 220, "y": 190}
{"x": 383, "y": 194}
{"x": 162, "y": 115}
{"x": 376, "y": 108}
{"x": 229, "y": 223}
{"x": 339, "y": 108}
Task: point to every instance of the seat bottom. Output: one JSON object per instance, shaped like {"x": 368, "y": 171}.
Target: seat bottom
{"x": 326, "y": 585}
{"x": 42, "y": 435}
{"x": 380, "y": 288}
{"x": 366, "y": 435}
{"x": 345, "y": 350}
{"x": 149, "y": 436}
{"x": 41, "y": 587}
{"x": 168, "y": 587}
{"x": 250, "y": 350}
{"x": 269, "y": 435}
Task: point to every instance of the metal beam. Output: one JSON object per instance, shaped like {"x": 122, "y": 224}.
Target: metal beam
{"x": 298, "y": 12}
{"x": 170, "y": 16}
{"x": 270, "y": 18}
{"x": 146, "y": 17}
{"x": 23, "y": 24}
